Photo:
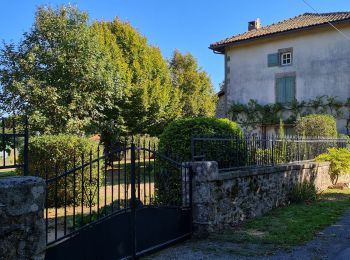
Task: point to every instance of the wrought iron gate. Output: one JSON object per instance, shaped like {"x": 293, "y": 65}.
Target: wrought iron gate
{"x": 14, "y": 137}
{"x": 117, "y": 204}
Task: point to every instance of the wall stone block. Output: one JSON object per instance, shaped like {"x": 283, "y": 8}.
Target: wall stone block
{"x": 22, "y": 227}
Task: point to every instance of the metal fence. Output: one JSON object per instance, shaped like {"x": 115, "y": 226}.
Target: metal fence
{"x": 105, "y": 182}
{"x": 13, "y": 145}
{"x": 236, "y": 152}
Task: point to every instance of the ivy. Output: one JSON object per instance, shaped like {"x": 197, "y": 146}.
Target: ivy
{"x": 252, "y": 114}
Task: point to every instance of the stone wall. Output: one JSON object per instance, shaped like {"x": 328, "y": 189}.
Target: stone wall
{"x": 225, "y": 198}
{"x": 22, "y": 227}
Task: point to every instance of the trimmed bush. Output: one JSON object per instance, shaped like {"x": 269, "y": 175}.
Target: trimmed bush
{"x": 175, "y": 142}
{"x": 50, "y": 152}
{"x": 176, "y": 138}
{"x": 317, "y": 126}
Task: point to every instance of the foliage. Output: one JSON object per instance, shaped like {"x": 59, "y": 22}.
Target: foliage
{"x": 57, "y": 74}
{"x": 339, "y": 159}
{"x": 196, "y": 90}
{"x": 175, "y": 142}
{"x": 303, "y": 192}
{"x": 317, "y": 126}
{"x": 149, "y": 100}
{"x": 268, "y": 156}
{"x": 49, "y": 154}
{"x": 168, "y": 183}
{"x": 252, "y": 114}
{"x": 176, "y": 138}
{"x": 71, "y": 76}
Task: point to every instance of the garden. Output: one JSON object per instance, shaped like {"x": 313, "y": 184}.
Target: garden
{"x": 87, "y": 182}
{"x": 96, "y": 111}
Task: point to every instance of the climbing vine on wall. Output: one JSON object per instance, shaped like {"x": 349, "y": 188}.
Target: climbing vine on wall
{"x": 253, "y": 114}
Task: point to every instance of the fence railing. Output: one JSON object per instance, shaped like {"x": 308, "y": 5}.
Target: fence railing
{"x": 103, "y": 182}
{"x": 237, "y": 152}
{"x": 13, "y": 137}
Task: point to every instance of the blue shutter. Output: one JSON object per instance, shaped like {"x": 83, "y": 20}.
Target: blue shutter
{"x": 272, "y": 59}
{"x": 290, "y": 89}
{"x": 280, "y": 90}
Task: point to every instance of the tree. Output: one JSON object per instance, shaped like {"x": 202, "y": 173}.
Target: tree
{"x": 149, "y": 102}
{"x": 196, "y": 90}
{"x": 72, "y": 77}
{"x": 58, "y": 74}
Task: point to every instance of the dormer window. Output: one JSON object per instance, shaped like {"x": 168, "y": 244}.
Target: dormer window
{"x": 286, "y": 58}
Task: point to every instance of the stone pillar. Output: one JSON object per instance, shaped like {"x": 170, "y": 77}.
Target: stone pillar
{"x": 202, "y": 198}
{"x": 22, "y": 226}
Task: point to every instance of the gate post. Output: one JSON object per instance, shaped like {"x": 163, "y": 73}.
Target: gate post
{"x": 190, "y": 196}
{"x": 132, "y": 201}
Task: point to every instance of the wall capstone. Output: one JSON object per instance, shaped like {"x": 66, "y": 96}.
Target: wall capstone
{"x": 22, "y": 227}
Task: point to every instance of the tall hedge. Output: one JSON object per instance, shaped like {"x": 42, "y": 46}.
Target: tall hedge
{"x": 51, "y": 153}
{"x": 315, "y": 125}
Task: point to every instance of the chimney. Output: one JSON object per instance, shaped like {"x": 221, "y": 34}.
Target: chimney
{"x": 254, "y": 25}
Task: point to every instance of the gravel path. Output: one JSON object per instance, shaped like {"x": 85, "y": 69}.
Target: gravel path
{"x": 332, "y": 243}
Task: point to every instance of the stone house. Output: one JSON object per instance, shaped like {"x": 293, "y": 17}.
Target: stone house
{"x": 301, "y": 58}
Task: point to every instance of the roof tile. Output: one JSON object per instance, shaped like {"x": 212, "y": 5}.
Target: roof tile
{"x": 305, "y": 20}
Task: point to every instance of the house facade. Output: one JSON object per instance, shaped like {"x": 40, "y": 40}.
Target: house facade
{"x": 302, "y": 58}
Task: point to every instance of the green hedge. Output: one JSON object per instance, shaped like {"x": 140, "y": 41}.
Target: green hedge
{"x": 48, "y": 152}
{"x": 317, "y": 126}
{"x": 176, "y": 138}
{"x": 175, "y": 142}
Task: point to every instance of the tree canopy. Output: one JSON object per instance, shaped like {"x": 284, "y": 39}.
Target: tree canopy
{"x": 149, "y": 100}
{"x": 196, "y": 90}
{"x": 72, "y": 76}
{"x": 57, "y": 75}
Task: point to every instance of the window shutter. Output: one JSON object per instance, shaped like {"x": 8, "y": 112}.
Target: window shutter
{"x": 290, "y": 89}
{"x": 280, "y": 90}
{"x": 272, "y": 59}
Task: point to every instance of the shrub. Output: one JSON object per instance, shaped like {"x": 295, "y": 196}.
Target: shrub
{"x": 176, "y": 142}
{"x": 317, "y": 126}
{"x": 340, "y": 162}
{"x": 176, "y": 138}
{"x": 48, "y": 153}
{"x": 266, "y": 156}
{"x": 303, "y": 192}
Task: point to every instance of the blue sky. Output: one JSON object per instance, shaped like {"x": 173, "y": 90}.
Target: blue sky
{"x": 189, "y": 26}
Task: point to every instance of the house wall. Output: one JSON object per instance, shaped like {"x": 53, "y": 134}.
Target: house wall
{"x": 321, "y": 62}
{"x": 220, "y": 107}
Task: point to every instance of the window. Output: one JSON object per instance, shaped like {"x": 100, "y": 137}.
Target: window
{"x": 285, "y": 89}
{"x": 283, "y": 57}
{"x": 286, "y": 58}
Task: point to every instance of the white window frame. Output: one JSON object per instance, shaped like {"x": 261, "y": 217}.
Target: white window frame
{"x": 286, "y": 58}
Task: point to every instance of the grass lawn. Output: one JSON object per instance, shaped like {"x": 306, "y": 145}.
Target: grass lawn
{"x": 7, "y": 172}
{"x": 292, "y": 225}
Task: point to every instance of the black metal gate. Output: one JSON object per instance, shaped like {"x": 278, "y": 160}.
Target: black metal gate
{"x": 117, "y": 204}
{"x": 14, "y": 137}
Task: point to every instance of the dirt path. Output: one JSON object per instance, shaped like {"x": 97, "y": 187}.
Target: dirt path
{"x": 332, "y": 243}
